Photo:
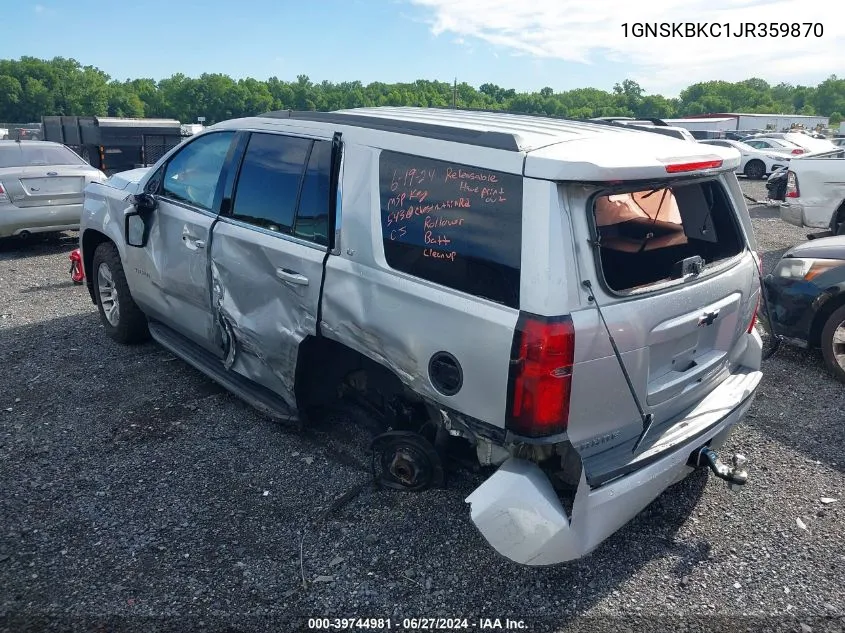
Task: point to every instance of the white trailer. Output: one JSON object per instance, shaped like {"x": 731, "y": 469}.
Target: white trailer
{"x": 725, "y": 123}
{"x": 779, "y": 122}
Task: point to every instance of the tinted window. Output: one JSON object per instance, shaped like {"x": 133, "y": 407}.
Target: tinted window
{"x": 312, "y": 218}
{"x": 192, "y": 174}
{"x": 26, "y": 155}
{"x": 454, "y": 225}
{"x": 268, "y": 184}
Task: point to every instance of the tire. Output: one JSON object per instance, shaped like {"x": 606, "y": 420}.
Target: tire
{"x": 833, "y": 344}
{"x": 755, "y": 169}
{"x": 121, "y": 317}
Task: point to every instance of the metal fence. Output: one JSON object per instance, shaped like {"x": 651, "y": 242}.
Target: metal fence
{"x": 156, "y": 146}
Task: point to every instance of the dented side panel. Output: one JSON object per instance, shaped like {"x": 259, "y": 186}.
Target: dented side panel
{"x": 400, "y": 321}
{"x": 169, "y": 277}
{"x": 265, "y": 295}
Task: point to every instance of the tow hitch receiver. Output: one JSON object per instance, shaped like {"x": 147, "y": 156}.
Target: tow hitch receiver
{"x": 736, "y": 475}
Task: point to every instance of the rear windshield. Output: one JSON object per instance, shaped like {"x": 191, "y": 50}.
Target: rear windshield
{"x": 654, "y": 235}
{"x": 26, "y": 155}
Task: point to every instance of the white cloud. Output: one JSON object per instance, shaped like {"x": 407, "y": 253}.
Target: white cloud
{"x": 590, "y": 32}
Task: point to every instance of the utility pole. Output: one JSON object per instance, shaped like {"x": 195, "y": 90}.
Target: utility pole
{"x": 455, "y": 95}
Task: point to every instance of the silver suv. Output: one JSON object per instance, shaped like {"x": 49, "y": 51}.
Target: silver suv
{"x": 573, "y": 303}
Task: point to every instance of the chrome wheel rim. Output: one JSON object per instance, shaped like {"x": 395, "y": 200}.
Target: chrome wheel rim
{"x": 108, "y": 294}
{"x": 838, "y": 345}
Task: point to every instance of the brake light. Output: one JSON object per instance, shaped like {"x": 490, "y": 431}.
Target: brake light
{"x": 798, "y": 150}
{"x": 682, "y": 167}
{"x": 754, "y": 317}
{"x": 792, "y": 190}
{"x": 751, "y": 325}
{"x": 540, "y": 381}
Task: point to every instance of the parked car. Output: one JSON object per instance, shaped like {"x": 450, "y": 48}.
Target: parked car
{"x": 815, "y": 191}
{"x": 806, "y": 299}
{"x": 658, "y": 126}
{"x": 804, "y": 141}
{"x": 738, "y": 135}
{"x": 755, "y": 163}
{"x": 774, "y": 145}
{"x": 595, "y": 348}
{"x": 41, "y": 187}
{"x": 707, "y": 134}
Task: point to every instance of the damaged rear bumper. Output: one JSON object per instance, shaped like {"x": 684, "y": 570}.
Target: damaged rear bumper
{"x": 519, "y": 513}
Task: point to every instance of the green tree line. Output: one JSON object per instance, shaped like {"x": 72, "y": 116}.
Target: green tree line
{"x": 31, "y": 88}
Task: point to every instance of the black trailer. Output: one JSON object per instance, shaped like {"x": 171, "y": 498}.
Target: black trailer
{"x": 113, "y": 144}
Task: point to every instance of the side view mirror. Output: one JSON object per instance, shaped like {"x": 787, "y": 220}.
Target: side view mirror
{"x": 137, "y": 221}
{"x": 144, "y": 202}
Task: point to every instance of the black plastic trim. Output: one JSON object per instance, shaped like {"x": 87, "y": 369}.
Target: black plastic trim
{"x": 492, "y": 140}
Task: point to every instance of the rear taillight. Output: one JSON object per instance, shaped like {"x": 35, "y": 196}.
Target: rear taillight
{"x": 798, "y": 150}
{"x": 3, "y": 195}
{"x": 754, "y": 317}
{"x": 792, "y": 190}
{"x": 751, "y": 325}
{"x": 540, "y": 380}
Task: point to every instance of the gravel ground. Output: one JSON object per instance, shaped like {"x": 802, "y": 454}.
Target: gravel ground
{"x": 137, "y": 495}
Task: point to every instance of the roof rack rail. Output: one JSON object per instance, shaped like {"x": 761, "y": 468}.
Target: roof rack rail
{"x": 611, "y": 121}
{"x": 492, "y": 140}
{"x": 635, "y": 120}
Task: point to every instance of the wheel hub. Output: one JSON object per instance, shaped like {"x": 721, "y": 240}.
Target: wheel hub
{"x": 108, "y": 294}
{"x": 408, "y": 461}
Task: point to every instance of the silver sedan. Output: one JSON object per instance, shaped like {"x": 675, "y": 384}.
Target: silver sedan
{"x": 41, "y": 185}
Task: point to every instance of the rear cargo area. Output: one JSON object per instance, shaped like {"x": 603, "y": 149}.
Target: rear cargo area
{"x": 651, "y": 235}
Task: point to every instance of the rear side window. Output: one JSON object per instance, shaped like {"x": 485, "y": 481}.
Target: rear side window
{"x": 26, "y": 155}
{"x": 454, "y": 225}
{"x": 284, "y": 186}
{"x": 312, "y": 218}
{"x": 268, "y": 185}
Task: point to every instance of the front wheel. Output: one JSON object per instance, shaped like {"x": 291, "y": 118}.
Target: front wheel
{"x": 833, "y": 343}
{"x": 121, "y": 317}
{"x": 755, "y": 170}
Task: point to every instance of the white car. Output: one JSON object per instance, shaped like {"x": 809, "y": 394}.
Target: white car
{"x": 774, "y": 145}
{"x": 756, "y": 163}
{"x": 839, "y": 142}
{"x": 815, "y": 192}
{"x": 804, "y": 141}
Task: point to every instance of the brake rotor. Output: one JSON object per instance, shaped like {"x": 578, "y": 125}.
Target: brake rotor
{"x": 408, "y": 462}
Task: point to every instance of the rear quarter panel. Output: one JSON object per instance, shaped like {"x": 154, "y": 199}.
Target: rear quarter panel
{"x": 400, "y": 321}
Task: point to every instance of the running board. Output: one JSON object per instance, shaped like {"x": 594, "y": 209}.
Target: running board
{"x": 254, "y": 394}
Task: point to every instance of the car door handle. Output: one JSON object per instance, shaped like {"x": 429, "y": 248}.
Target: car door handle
{"x": 291, "y": 276}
